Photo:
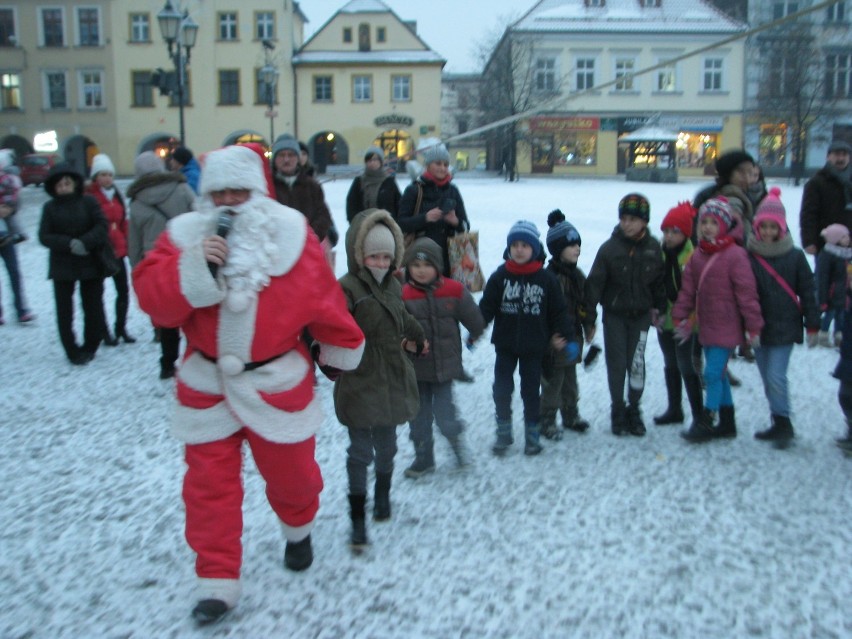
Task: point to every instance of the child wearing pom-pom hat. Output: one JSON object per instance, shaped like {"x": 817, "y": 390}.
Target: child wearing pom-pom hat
{"x": 831, "y": 268}
{"x": 785, "y": 287}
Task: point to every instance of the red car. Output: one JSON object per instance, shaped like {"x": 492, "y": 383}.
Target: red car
{"x": 36, "y": 166}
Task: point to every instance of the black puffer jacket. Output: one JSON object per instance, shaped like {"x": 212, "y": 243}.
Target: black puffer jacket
{"x": 68, "y": 217}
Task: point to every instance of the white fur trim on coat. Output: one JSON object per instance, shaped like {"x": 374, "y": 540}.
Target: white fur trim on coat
{"x": 346, "y": 359}
{"x": 296, "y": 534}
{"x": 233, "y": 167}
{"x": 227, "y": 590}
{"x": 187, "y": 231}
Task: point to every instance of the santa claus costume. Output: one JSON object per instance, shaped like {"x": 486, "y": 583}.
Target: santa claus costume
{"x": 246, "y": 373}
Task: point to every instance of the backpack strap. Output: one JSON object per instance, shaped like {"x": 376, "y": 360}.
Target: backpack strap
{"x": 781, "y": 281}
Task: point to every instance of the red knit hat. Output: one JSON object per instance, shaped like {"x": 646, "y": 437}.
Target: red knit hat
{"x": 771, "y": 209}
{"x": 680, "y": 217}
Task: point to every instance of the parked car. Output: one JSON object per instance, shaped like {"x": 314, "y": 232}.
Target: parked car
{"x": 36, "y": 166}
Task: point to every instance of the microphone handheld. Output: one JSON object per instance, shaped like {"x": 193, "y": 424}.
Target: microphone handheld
{"x": 223, "y": 227}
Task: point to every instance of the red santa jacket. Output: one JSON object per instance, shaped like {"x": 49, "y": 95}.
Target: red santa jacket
{"x": 216, "y": 394}
{"x": 116, "y": 218}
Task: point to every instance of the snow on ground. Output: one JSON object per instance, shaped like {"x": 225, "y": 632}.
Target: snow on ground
{"x": 597, "y": 537}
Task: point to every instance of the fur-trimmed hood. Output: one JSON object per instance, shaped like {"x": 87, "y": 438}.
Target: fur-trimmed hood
{"x": 358, "y": 229}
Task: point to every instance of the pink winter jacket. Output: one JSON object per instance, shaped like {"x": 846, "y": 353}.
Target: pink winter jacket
{"x": 727, "y": 304}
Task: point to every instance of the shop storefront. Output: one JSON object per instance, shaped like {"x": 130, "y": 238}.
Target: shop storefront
{"x": 563, "y": 142}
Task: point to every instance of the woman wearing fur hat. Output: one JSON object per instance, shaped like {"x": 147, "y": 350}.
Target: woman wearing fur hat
{"x": 243, "y": 302}
{"x": 677, "y": 356}
{"x": 102, "y": 188}
{"x": 381, "y": 393}
{"x": 719, "y": 293}
{"x": 785, "y": 286}
{"x": 74, "y": 229}
{"x": 432, "y": 206}
{"x": 156, "y": 196}
{"x": 374, "y": 188}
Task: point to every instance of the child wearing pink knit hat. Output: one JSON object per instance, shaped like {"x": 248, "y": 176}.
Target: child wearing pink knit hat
{"x": 831, "y": 264}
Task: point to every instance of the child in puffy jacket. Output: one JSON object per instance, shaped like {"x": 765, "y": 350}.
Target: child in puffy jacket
{"x": 831, "y": 264}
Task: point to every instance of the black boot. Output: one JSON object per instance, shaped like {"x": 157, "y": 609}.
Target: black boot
{"x": 532, "y": 445}
{"x": 424, "y": 461}
{"x": 460, "y": 451}
{"x": 635, "y": 425}
{"x": 692, "y": 383}
{"x": 573, "y": 421}
{"x": 845, "y": 443}
{"x": 618, "y": 415}
{"x": 357, "y": 508}
{"x": 674, "y": 413}
{"x": 547, "y": 426}
{"x": 727, "y": 424}
{"x": 109, "y": 340}
{"x": 780, "y": 433}
{"x": 121, "y": 333}
{"x": 702, "y": 429}
{"x": 208, "y": 611}
{"x": 504, "y": 438}
{"x": 381, "y": 498}
{"x": 298, "y": 555}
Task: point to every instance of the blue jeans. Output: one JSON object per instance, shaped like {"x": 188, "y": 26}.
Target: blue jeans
{"x": 772, "y": 362}
{"x": 504, "y": 385}
{"x": 716, "y": 378}
{"x": 10, "y": 257}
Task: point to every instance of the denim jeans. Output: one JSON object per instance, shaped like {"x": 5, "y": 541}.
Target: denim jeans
{"x": 716, "y": 377}
{"x": 10, "y": 256}
{"x": 772, "y": 362}
{"x": 377, "y": 443}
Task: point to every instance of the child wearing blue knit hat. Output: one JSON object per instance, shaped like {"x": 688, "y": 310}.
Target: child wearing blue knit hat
{"x": 530, "y": 316}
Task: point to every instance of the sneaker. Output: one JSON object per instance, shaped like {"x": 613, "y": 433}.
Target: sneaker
{"x": 209, "y": 611}
{"x": 298, "y": 555}
{"x": 24, "y": 318}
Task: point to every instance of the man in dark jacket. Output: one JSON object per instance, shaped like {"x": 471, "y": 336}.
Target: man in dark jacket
{"x": 182, "y": 161}
{"x": 827, "y": 198}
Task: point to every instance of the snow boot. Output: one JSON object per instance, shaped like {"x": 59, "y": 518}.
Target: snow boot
{"x": 674, "y": 412}
{"x": 208, "y": 611}
{"x": 575, "y": 423}
{"x": 618, "y": 416}
{"x": 424, "y": 461}
{"x": 504, "y": 438}
{"x": 635, "y": 425}
{"x": 702, "y": 429}
{"x": 548, "y": 427}
{"x": 357, "y": 508}
{"x": 532, "y": 445}
{"x": 298, "y": 555}
{"x": 381, "y": 497}
{"x": 780, "y": 433}
{"x": 460, "y": 451}
{"x": 121, "y": 333}
{"x": 727, "y": 424}
{"x": 109, "y": 340}
{"x": 692, "y": 384}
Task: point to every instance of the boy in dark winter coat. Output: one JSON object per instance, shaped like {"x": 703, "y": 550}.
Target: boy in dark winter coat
{"x": 843, "y": 372}
{"x": 382, "y": 392}
{"x": 627, "y": 281}
{"x": 785, "y": 286}
{"x": 559, "y": 390}
{"x": 439, "y": 304}
{"x": 831, "y": 265}
{"x": 529, "y": 312}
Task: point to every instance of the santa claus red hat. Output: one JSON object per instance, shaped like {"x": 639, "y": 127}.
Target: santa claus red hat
{"x": 233, "y": 167}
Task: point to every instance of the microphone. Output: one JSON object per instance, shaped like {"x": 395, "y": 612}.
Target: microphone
{"x": 223, "y": 227}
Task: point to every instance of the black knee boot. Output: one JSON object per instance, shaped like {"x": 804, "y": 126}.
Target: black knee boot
{"x": 381, "y": 499}
{"x": 357, "y": 508}
{"x": 674, "y": 412}
{"x": 727, "y": 424}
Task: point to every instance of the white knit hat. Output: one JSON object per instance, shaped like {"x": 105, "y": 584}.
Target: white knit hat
{"x": 233, "y": 167}
{"x": 101, "y": 162}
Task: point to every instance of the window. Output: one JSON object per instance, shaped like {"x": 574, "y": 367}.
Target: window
{"x": 401, "y": 88}
{"x": 838, "y": 75}
{"x": 362, "y": 88}
{"x": 227, "y": 26}
{"x": 595, "y": 3}
{"x": 143, "y": 92}
{"x": 585, "y": 73}
{"x": 261, "y": 89}
{"x": 381, "y": 34}
{"x": 544, "y": 79}
{"x": 836, "y": 12}
{"x": 462, "y": 125}
{"x": 624, "y": 80}
{"x": 52, "y": 29}
{"x": 347, "y": 34}
{"x": 322, "y": 88}
{"x": 264, "y": 25}
{"x": 140, "y": 27}
{"x": 229, "y": 87}
{"x": 88, "y": 27}
{"x": 781, "y": 76}
{"x": 55, "y": 90}
{"x": 666, "y": 78}
{"x": 712, "y": 74}
{"x": 91, "y": 89}
{"x": 174, "y": 100}
{"x": 784, "y": 8}
{"x": 10, "y": 91}
{"x": 773, "y": 145}
{"x": 363, "y": 37}
{"x": 7, "y": 27}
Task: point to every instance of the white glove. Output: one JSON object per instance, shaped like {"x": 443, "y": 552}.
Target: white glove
{"x": 77, "y": 247}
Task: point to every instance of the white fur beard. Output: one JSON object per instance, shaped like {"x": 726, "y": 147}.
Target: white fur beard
{"x": 251, "y": 251}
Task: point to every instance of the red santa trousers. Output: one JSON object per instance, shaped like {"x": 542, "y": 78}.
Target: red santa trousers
{"x": 213, "y": 494}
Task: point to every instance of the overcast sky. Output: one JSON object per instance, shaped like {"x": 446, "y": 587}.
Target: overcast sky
{"x": 452, "y": 28}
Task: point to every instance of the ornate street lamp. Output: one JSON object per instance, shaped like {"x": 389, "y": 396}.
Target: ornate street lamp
{"x": 269, "y": 75}
{"x": 180, "y": 33}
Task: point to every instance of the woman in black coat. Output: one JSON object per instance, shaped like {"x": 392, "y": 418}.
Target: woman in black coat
{"x": 441, "y": 212}
{"x": 374, "y": 188}
{"x": 75, "y": 230}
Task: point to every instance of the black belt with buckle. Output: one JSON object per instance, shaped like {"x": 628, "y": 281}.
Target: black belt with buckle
{"x": 248, "y": 366}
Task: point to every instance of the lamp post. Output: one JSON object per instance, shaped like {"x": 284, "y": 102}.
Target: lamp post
{"x": 269, "y": 74}
{"x": 180, "y": 32}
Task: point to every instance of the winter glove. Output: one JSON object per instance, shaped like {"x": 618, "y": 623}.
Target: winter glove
{"x": 572, "y": 351}
{"x": 683, "y": 332}
{"x": 77, "y": 247}
{"x": 813, "y": 338}
{"x": 753, "y": 340}
{"x": 591, "y": 356}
